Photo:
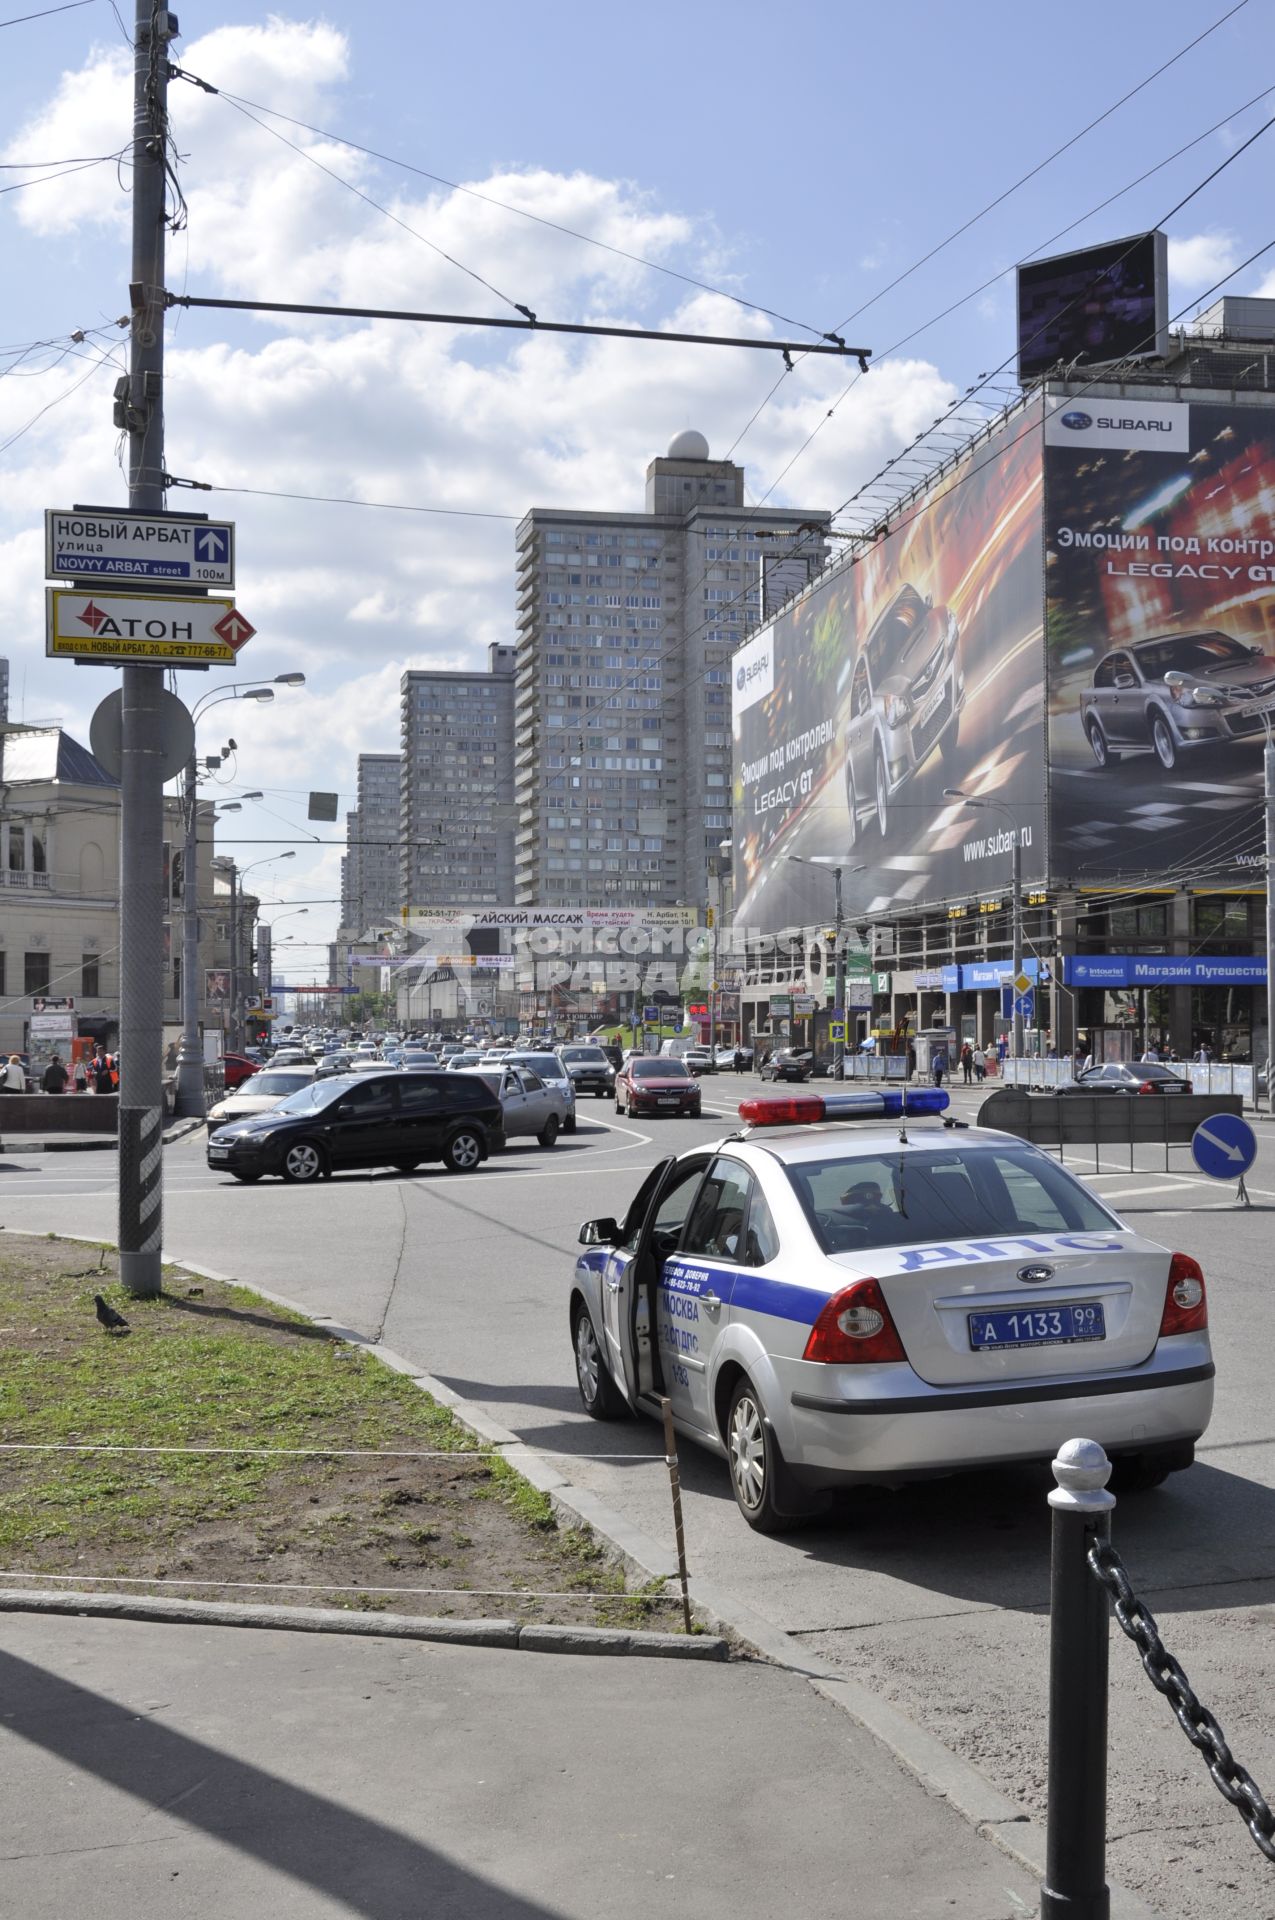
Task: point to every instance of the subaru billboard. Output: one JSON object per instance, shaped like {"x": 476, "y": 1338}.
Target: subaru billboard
{"x": 1160, "y": 637}
{"x": 915, "y": 667}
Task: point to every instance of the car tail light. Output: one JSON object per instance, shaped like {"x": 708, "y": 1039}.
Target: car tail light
{"x": 855, "y": 1327}
{"x": 1186, "y": 1306}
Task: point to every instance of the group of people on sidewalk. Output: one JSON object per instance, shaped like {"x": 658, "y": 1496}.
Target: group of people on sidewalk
{"x": 100, "y": 1074}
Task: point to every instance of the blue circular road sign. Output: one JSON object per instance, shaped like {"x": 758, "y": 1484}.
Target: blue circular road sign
{"x": 1224, "y": 1147}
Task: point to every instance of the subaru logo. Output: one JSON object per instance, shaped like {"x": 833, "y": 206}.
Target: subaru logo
{"x": 741, "y": 679}
{"x": 1035, "y": 1276}
{"x": 1077, "y": 421}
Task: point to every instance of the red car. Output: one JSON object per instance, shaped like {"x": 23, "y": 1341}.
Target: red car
{"x": 238, "y": 1068}
{"x": 651, "y": 1084}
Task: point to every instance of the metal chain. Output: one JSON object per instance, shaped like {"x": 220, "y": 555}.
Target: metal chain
{"x": 1232, "y": 1781}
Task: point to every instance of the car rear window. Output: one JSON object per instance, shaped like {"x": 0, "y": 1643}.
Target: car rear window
{"x": 277, "y": 1083}
{"x": 952, "y": 1193}
{"x": 547, "y": 1065}
{"x": 585, "y": 1056}
{"x": 653, "y": 1069}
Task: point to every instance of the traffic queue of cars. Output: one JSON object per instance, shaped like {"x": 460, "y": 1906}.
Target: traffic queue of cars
{"x": 838, "y": 1295}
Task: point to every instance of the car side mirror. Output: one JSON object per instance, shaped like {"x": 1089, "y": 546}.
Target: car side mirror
{"x": 1173, "y": 680}
{"x": 599, "y": 1233}
{"x": 1125, "y": 681}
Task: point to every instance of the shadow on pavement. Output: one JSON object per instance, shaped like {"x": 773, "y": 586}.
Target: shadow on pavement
{"x": 373, "y": 1870}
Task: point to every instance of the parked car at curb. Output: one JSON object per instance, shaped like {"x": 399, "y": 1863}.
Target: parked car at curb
{"x": 789, "y": 1063}
{"x": 385, "y": 1119}
{"x": 831, "y": 1305}
{"x": 236, "y": 1068}
{"x": 700, "y": 1060}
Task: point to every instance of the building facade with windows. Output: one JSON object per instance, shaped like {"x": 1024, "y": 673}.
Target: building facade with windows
{"x": 456, "y": 830}
{"x": 59, "y": 888}
{"x": 371, "y": 876}
{"x": 622, "y": 715}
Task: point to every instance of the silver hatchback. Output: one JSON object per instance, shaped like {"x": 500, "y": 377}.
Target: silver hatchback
{"x": 530, "y": 1105}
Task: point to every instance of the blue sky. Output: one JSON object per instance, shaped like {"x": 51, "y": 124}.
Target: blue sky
{"x": 803, "y": 162}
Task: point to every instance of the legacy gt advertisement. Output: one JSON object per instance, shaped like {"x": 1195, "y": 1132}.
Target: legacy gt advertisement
{"x": 917, "y": 666}
{"x": 1160, "y": 625}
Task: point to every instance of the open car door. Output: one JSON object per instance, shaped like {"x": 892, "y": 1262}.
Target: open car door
{"x": 619, "y": 1282}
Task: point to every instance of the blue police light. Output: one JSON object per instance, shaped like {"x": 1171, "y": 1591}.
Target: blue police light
{"x": 805, "y": 1109}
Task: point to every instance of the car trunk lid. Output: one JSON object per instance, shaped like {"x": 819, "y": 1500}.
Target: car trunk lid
{"x": 933, "y": 1290}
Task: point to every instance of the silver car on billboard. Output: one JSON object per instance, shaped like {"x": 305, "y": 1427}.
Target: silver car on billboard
{"x": 906, "y": 698}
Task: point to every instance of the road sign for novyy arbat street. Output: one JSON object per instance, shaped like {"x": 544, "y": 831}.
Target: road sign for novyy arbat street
{"x": 190, "y": 632}
{"x": 1224, "y": 1146}
{"x": 110, "y": 544}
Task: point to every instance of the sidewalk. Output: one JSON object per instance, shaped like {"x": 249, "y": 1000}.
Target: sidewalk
{"x": 158, "y": 1772}
{"x": 19, "y": 1143}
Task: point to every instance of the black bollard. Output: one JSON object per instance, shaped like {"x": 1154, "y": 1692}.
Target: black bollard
{"x": 1076, "y": 1836}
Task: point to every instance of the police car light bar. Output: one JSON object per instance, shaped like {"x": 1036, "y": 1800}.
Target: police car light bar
{"x": 803, "y": 1108}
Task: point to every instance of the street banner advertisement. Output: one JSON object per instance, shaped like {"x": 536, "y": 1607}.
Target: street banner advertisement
{"x": 1160, "y": 638}
{"x": 914, "y": 667}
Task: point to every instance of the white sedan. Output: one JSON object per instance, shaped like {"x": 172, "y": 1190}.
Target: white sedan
{"x": 827, "y": 1304}
{"x": 259, "y": 1093}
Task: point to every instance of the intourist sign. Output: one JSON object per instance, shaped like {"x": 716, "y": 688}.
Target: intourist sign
{"x": 1163, "y": 970}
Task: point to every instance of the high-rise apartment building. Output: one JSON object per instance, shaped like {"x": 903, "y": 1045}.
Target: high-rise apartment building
{"x": 626, "y": 626}
{"x": 371, "y": 872}
{"x": 456, "y": 809}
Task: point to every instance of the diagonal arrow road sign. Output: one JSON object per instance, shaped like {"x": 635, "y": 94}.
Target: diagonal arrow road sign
{"x": 1224, "y": 1146}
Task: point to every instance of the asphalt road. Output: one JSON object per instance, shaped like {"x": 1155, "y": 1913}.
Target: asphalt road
{"x": 935, "y": 1596}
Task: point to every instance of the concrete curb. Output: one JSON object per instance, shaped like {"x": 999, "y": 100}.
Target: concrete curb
{"x": 394, "y": 1626}
{"x": 940, "y": 1771}
{"x": 89, "y": 1143}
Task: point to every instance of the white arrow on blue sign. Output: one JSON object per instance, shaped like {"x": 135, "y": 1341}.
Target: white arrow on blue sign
{"x": 213, "y": 543}
{"x": 1224, "y": 1147}
{"x": 116, "y": 543}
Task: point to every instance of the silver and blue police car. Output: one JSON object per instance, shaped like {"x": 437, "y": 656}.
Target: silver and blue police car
{"x": 827, "y": 1305}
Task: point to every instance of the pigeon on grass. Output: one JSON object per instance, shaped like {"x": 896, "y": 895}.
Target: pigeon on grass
{"x": 107, "y": 1316}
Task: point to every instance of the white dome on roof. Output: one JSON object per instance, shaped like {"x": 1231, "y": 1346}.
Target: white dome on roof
{"x": 688, "y": 445}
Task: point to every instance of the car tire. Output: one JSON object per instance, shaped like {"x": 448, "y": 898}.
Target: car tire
{"x": 548, "y": 1134}
{"x": 757, "y": 1472}
{"x": 599, "y": 1394}
{"x": 569, "y": 1126}
{"x": 1099, "y": 745}
{"x": 1141, "y": 1472}
{"x": 881, "y": 793}
{"x": 464, "y": 1151}
{"x": 303, "y": 1163}
{"x": 407, "y": 1166}
{"x": 245, "y": 1179}
{"x": 1163, "y": 744}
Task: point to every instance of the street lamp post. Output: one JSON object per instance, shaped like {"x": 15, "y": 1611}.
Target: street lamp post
{"x": 839, "y": 956}
{"x": 190, "y": 1066}
{"x": 1016, "y": 882}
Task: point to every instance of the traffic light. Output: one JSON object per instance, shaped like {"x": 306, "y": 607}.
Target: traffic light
{"x": 710, "y": 917}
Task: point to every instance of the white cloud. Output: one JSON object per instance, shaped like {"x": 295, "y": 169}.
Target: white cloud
{"x": 1198, "y": 261}
{"x": 420, "y": 416}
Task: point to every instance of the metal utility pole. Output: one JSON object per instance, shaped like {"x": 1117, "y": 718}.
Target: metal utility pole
{"x": 1016, "y": 1000}
{"x": 141, "y": 1101}
{"x": 1268, "y": 774}
{"x": 232, "y": 1038}
{"x": 839, "y": 989}
{"x": 190, "y": 1065}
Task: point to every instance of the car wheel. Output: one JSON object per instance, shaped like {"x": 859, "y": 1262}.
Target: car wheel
{"x": 407, "y": 1166}
{"x": 549, "y": 1132}
{"x": 247, "y": 1179}
{"x": 1166, "y": 747}
{"x": 1098, "y": 744}
{"x": 463, "y": 1152}
{"x": 303, "y": 1162}
{"x": 602, "y": 1398}
{"x": 881, "y": 788}
{"x": 756, "y": 1465}
{"x": 852, "y": 803}
{"x": 569, "y": 1126}
{"x": 1140, "y": 1472}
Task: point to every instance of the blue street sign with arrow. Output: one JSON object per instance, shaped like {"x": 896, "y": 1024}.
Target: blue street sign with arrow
{"x": 120, "y": 543}
{"x": 1224, "y": 1147}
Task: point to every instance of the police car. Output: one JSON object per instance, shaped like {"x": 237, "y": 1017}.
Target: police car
{"x": 828, "y": 1304}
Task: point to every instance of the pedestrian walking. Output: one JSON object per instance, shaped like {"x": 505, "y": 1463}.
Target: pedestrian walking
{"x": 80, "y": 1076}
{"x": 55, "y": 1076}
{"x": 967, "y": 1063}
{"x": 938, "y": 1064}
{"x": 980, "y": 1068}
{"x": 14, "y": 1079}
{"x": 739, "y": 1059}
{"x": 101, "y": 1073}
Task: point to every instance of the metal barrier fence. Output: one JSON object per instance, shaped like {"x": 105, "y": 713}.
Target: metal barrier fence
{"x": 1104, "y": 1121}
{"x": 1085, "y": 1572}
